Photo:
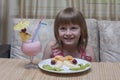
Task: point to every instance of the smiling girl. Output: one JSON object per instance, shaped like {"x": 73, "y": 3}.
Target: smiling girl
{"x": 71, "y": 36}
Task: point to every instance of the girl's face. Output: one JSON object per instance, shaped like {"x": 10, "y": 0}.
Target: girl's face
{"x": 69, "y": 34}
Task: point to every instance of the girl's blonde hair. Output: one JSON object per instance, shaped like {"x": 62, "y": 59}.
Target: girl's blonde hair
{"x": 71, "y": 16}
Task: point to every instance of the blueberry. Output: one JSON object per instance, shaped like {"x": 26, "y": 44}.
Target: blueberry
{"x": 53, "y": 62}
{"x": 74, "y": 61}
{"x": 23, "y": 30}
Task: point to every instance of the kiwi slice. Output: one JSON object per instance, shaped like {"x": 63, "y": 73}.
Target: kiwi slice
{"x": 48, "y": 67}
{"x": 82, "y": 67}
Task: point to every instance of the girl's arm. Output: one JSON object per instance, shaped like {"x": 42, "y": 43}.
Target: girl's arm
{"x": 48, "y": 50}
{"x": 90, "y": 52}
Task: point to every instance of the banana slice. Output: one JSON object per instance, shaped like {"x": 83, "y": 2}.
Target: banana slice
{"x": 58, "y": 64}
{"x": 69, "y": 64}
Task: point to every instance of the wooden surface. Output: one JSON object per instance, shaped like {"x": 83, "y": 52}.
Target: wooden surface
{"x": 13, "y": 69}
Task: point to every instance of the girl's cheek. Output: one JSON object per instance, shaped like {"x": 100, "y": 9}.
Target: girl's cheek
{"x": 61, "y": 33}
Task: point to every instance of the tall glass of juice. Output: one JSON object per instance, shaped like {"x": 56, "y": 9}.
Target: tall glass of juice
{"x": 31, "y": 49}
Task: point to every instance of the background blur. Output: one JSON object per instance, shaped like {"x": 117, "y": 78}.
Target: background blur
{"x": 9, "y": 9}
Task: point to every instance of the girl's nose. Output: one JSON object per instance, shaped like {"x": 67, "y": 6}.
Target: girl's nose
{"x": 68, "y": 32}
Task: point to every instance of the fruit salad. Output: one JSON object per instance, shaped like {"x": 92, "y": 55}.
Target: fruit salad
{"x": 58, "y": 61}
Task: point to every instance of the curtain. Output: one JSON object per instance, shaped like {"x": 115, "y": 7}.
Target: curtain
{"x": 98, "y": 9}
{"x": 3, "y": 20}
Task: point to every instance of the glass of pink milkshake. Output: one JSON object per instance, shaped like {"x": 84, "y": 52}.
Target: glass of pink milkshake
{"x": 31, "y": 49}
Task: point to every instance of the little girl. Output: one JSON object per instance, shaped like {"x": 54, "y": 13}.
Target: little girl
{"x": 71, "y": 36}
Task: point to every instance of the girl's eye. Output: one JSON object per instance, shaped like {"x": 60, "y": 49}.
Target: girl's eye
{"x": 73, "y": 28}
{"x": 62, "y": 28}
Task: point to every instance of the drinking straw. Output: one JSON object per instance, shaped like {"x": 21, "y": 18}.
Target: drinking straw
{"x": 37, "y": 29}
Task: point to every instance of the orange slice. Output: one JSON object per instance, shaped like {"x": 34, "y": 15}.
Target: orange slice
{"x": 24, "y": 36}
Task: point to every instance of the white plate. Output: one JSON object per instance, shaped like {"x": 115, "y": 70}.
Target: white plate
{"x": 66, "y": 69}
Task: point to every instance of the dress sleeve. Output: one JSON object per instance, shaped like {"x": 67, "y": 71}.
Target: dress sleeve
{"x": 84, "y": 56}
